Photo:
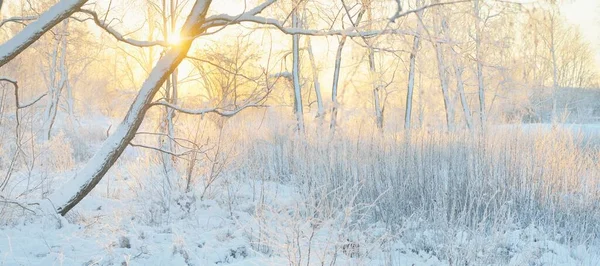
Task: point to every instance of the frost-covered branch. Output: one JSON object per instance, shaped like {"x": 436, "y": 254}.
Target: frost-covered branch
{"x": 120, "y": 36}
{"x": 400, "y": 14}
{"x": 219, "y": 111}
{"x": 19, "y": 20}
{"x": 57, "y": 13}
{"x": 223, "y": 19}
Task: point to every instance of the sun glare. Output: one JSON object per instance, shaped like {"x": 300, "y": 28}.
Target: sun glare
{"x": 174, "y": 39}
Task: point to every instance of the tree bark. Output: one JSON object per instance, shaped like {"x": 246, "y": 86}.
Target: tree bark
{"x": 298, "y": 108}
{"x": 87, "y": 178}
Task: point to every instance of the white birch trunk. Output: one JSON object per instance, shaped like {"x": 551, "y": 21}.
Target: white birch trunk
{"x": 317, "y": 85}
{"x": 411, "y": 72}
{"x": 375, "y": 82}
{"x": 55, "y": 87}
{"x": 334, "y": 87}
{"x": 296, "y": 74}
{"x": 554, "y": 70}
{"x": 458, "y": 71}
{"x": 448, "y": 104}
{"x": 478, "y": 59}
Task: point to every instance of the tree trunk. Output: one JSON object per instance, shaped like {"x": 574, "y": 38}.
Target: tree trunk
{"x": 55, "y": 87}
{"x": 336, "y": 74}
{"x": 317, "y": 85}
{"x": 334, "y": 87}
{"x": 554, "y": 70}
{"x": 296, "y": 75}
{"x": 458, "y": 71}
{"x": 375, "y": 82}
{"x": 460, "y": 86}
{"x": 411, "y": 72}
{"x": 448, "y": 104}
{"x": 36, "y": 29}
{"x": 87, "y": 178}
{"x": 480, "y": 84}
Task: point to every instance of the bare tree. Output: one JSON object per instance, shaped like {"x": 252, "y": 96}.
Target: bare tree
{"x": 55, "y": 83}
{"x": 478, "y": 60}
{"x": 338, "y": 65}
{"x": 196, "y": 25}
{"x": 412, "y": 67}
{"x": 441, "y": 63}
{"x": 298, "y": 108}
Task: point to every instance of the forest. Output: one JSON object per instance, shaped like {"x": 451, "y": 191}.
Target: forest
{"x": 299, "y": 132}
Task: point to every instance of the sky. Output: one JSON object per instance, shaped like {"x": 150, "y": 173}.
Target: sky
{"x": 586, "y": 15}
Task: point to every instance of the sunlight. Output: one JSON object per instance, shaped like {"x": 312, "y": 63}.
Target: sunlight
{"x": 174, "y": 39}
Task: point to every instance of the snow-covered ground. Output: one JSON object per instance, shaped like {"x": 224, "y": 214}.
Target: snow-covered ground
{"x": 129, "y": 219}
{"x": 204, "y": 232}
{"x": 110, "y": 232}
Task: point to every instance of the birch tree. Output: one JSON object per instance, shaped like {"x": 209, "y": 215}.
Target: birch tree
{"x": 478, "y": 61}
{"x": 412, "y": 68}
{"x": 196, "y": 25}
{"x": 298, "y": 107}
{"x": 338, "y": 65}
{"x": 441, "y": 65}
{"x": 58, "y": 78}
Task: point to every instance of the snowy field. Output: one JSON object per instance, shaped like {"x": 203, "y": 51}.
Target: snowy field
{"x": 244, "y": 217}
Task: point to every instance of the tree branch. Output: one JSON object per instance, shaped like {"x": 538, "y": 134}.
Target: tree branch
{"x": 400, "y": 14}
{"x": 32, "y": 32}
{"x": 223, "y": 19}
{"x": 17, "y": 20}
{"x": 218, "y": 111}
{"x": 119, "y": 36}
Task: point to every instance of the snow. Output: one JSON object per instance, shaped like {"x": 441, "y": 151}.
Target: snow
{"x": 118, "y": 140}
{"x": 35, "y": 29}
{"x": 115, "y": 231}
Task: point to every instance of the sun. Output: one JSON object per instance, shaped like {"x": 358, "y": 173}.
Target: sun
{"x": 174, "y": 39}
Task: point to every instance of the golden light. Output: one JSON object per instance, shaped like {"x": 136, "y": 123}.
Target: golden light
{"x": 174, "y": 39}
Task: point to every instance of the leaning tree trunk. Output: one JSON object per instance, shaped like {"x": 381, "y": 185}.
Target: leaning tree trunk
{"x": 36, "y": 29}
{"x": 87, "y": 178}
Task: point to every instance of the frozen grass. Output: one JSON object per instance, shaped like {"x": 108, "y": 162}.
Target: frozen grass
{"x": 459, "y": 187}
{"x": 506, "y": 197}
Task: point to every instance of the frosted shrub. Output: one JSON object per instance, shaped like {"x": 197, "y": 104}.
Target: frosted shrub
{"x": 452, "y": 182}
{"x": 56, "y": 155}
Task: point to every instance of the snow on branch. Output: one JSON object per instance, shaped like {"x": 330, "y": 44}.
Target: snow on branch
{"x": 32, "y": 32}
{"x": 224, "y": 20}
{"x": 120, "y": 36}
{"x": 219, "y": 111}
{"x": 400, "y": 14}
